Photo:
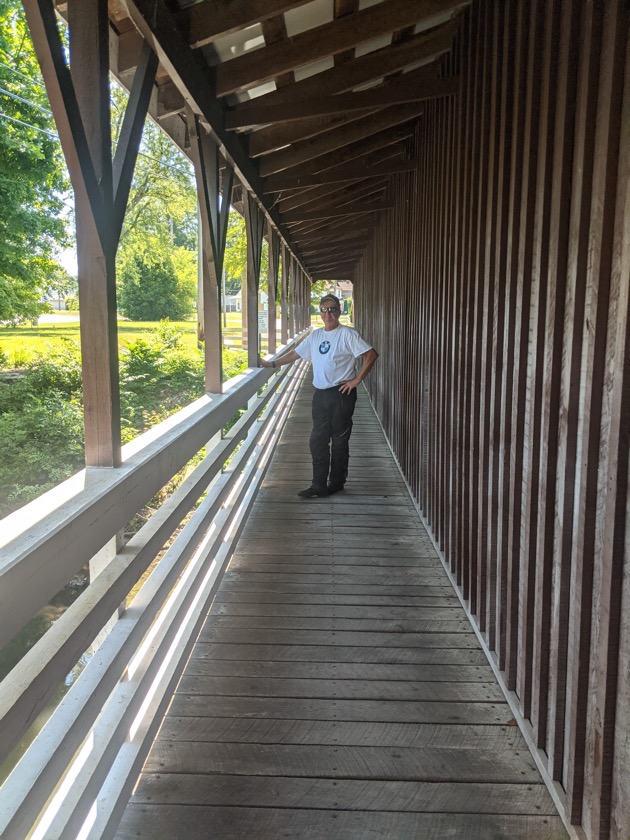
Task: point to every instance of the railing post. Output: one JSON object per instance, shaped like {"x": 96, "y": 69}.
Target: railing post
{"x": 214, "y": 214}
{"x": 254, "y": 225}
{"x": 284, "y": 296}
{"x": 274, "y": 260}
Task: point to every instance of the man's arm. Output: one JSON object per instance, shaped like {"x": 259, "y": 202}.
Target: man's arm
{"x": 285, "y": 359}
{"x": 367, "y": 363}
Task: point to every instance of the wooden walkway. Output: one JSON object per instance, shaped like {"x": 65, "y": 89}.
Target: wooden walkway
{"x": 337, "y": 689}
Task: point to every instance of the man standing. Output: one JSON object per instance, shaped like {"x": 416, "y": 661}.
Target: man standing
{"x": 332, "y": 350}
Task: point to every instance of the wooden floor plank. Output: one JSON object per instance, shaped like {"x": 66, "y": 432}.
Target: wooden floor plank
{"x": 427, "y": 764}
{"x": 332, "y": 637}
{"x": 348, "y": 794}
{"x": 347, "y": 625}
{"x": 387, "y": 711}
{"x": 256, "y": 597}
{"x": 348, "y": 733}
{"x": 151, "y": 821}
{"x": 335, "y": 611}
{"x": 337, "y": 690}
{"x": 350, "y": 671}
{"x": 440, "y": 690}
{"x": 342, "y": 654}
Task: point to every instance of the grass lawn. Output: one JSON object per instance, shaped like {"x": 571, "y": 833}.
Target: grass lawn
{"x": 25, "y": 341}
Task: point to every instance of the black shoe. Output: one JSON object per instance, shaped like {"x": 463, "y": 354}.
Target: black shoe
{"x": 312, "y": 491}
{"x": 334, "y": 488}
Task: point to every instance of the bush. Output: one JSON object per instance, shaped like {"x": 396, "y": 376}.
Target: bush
{"x": 234, "y": 362}
{"x": 72, "y": 303}
{"x": 42, "y": 444}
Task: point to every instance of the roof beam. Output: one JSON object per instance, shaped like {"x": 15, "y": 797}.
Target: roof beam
{"x": 337, "y": 213}
{"x": 207, "y": 21}
{"x": 328, "y": 231}
{"x": 411, "y": 87}
{"x": 367, "y": 68}
{"x": 337, "y": 139}
{"x": 337, "y": 200}
{"x": 258, "y": 66}
{"x": 277, "y": 136}
{"x": 294, "y": 200}
{"x": 371, "y": 167}
{"x": 325, "y": 235}
{"x": 337, "y": 254}
{"x": 360, "y": 149}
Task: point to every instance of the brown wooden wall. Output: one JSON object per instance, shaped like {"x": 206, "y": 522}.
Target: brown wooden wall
{"x": 497, "y": 293}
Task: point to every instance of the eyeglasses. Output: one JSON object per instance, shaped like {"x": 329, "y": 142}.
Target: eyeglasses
{"x": 329, "y": 309}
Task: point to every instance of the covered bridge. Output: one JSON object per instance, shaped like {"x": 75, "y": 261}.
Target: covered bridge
{"x": 465, "y": 163}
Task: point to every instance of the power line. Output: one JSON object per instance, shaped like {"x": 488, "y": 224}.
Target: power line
{"x": 25, "y": 101}
{"x": 23, "y": 75}
{"x": 56, "y": 137}
{"x": 28, "y": 125}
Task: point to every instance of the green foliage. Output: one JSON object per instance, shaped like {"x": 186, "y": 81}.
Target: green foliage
{"x": 41, "y": 414}
{"x": 32, "y": 173}
{"x": 61, "y": 283}
{"x": 72, "y": 303}
{"x": 157, "y": 376}
{"x": 235, "y": 261}
{"x": 234, "y": 362}
{"x": 41, "y": 427}
{"x": 150, "y": 285}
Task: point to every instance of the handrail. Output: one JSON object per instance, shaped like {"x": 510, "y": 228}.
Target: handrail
{"x": 126, "y": 684}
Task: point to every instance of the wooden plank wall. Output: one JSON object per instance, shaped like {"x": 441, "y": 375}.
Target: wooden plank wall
{"x": 497, "y": 293}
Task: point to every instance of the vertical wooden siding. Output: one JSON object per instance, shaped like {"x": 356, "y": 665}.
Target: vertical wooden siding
{"x": 497, "y": 292}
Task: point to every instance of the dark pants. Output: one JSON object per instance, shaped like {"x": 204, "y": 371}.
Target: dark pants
{"x": 332, "y": 425}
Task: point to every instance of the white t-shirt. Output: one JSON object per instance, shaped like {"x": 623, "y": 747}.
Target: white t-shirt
{"x": 332, "y": 354}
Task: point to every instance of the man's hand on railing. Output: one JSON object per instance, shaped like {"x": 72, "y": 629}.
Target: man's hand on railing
{"x": 285, "y": 359}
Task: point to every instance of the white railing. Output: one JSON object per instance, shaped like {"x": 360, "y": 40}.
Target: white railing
{"x": 77, "y": 775}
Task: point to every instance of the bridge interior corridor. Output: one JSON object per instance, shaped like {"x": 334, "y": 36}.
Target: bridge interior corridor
{"x": 337, "y": 688}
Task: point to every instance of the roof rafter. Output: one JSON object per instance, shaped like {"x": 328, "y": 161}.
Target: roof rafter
{"x": 418, "y": 85}
{"x": 363, "y": 167}
{"x": 338, "y": 138}
{"x": 350, "y": 210}
{"x": 208, "y": 20}
{"x": 367, "y": 68}
{"x": 261, "y": 65}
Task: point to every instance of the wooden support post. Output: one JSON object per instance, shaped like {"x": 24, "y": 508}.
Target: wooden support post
{"x": 284, "y": 296}
{"x": 303, "y": 282}
{"x": 306, "y": 302}
{"x": 292, "y": 297}
{"x": 254, "y": 225}
{"x": 274, "y": 260}
{"x": 96, "y": 248}
{"x": 214, "y": 219}
{"x": 80, "y": 101}
{"x": 79, "y": 98}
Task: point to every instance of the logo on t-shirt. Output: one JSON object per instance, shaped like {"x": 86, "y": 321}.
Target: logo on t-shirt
{"x": 324, "y": 347}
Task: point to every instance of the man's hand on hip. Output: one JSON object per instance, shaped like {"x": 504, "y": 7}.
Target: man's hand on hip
{"x": 350, "y": 385}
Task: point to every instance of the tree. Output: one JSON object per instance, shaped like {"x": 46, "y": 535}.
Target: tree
{"x": 32, "y": 173}
{"x": 62, "y": 283}
{"x": 154, "y": 283}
